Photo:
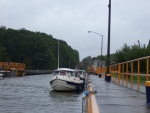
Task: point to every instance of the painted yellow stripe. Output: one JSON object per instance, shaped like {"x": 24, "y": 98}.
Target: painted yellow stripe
{"x": 147, "y": 83}
{"x": 108, "y": 75}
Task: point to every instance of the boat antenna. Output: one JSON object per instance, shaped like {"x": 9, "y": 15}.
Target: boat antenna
{"x": 58, "y": 53}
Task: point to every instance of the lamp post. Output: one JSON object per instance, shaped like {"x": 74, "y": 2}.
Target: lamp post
{"x": 108, "y": 75}
{"x": 101, "y": 42}
{"x": 101, "y": 48}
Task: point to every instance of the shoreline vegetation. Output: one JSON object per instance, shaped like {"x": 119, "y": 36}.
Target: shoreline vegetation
{"x": 37, "y": 72}
{"x": 37, "y": 50}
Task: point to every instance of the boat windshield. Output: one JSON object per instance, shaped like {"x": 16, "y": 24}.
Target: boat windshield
{"x": 70, "y": 74}
{"x": 64, "y": 73}
{"x": 55, "y": 73}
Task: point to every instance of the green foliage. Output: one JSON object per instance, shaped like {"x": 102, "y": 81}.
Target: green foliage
{"x": 126, "y": 53}
{"x": 135, "y": 51}
{"x": 88, "y": 60}
{"x": 37, "y": 50}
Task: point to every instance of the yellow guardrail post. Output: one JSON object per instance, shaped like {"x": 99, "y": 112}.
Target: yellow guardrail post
{"x": 127, "y": 75}
{"x": 131, "y": 75}
{"x": 115, "y": 71}
{"x": 123, "y": 75}
{"x": 138, "y": 75}
{"x": 119, "y": 74}
{"x": 147, "y": 85}
{"x": 147, "y": 68}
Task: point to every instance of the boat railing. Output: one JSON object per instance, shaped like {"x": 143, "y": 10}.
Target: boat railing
{"x": 66, "y": 75}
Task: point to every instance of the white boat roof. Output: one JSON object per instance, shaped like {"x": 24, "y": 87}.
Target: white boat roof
{"x": 65, "y": 69}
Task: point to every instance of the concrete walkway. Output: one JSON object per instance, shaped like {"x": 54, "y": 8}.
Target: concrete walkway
{"x": 112, "y": 98}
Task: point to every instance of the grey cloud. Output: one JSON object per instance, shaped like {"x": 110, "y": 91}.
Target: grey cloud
{"x": 70, "y": 20}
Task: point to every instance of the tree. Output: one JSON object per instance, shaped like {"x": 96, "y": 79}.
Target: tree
{"x": 37, "y": 50}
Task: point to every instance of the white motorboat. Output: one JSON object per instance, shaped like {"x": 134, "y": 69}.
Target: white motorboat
{"x": 65, "y": 79}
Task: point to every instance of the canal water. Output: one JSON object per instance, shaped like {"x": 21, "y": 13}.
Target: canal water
{"x": 33, "y": 94}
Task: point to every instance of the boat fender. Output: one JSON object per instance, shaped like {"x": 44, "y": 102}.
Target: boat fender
{"x": 85, "y": 94}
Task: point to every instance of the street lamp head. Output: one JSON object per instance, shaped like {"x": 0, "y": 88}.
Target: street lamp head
{"x": 95, "y": 33}
{"x": 102, "y": 41}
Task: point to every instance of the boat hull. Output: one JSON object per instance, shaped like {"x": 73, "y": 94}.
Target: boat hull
{"x": 63, "y": 85}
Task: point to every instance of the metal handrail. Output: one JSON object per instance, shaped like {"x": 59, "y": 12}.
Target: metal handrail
{"x": 92, "y": 106}
{"x": 118, "y": 71}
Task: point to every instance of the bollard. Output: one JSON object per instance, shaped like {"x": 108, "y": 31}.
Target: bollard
{"x": 96, "y": 74}
{"x": 108, "y": 78}
{"x": 100, "y": 75}
{"x": 147, "y": 85}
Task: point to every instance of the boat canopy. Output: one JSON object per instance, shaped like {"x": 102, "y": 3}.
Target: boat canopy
{"x": 65, "y": 69}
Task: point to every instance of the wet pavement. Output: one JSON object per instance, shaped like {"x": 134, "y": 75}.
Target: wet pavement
{"x": 112, "y": 98}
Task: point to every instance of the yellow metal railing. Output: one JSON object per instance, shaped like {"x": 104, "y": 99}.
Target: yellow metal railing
{"x": 92, "y": 106}
{"x": 6, "y": 66}
{"x": 97, "y": 70}
{"x": 125, "y": 73}
{"x": 19, "y": 68}
{"x": 90, "y": 69}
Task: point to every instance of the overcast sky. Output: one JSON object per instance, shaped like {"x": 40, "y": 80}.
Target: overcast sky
{"x": 70, "y": 20}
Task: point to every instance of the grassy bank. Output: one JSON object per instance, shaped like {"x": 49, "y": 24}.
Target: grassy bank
{"x": 134, "y": 77}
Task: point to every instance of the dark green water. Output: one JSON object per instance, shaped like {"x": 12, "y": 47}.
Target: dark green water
{"x": 33, "y": 94}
